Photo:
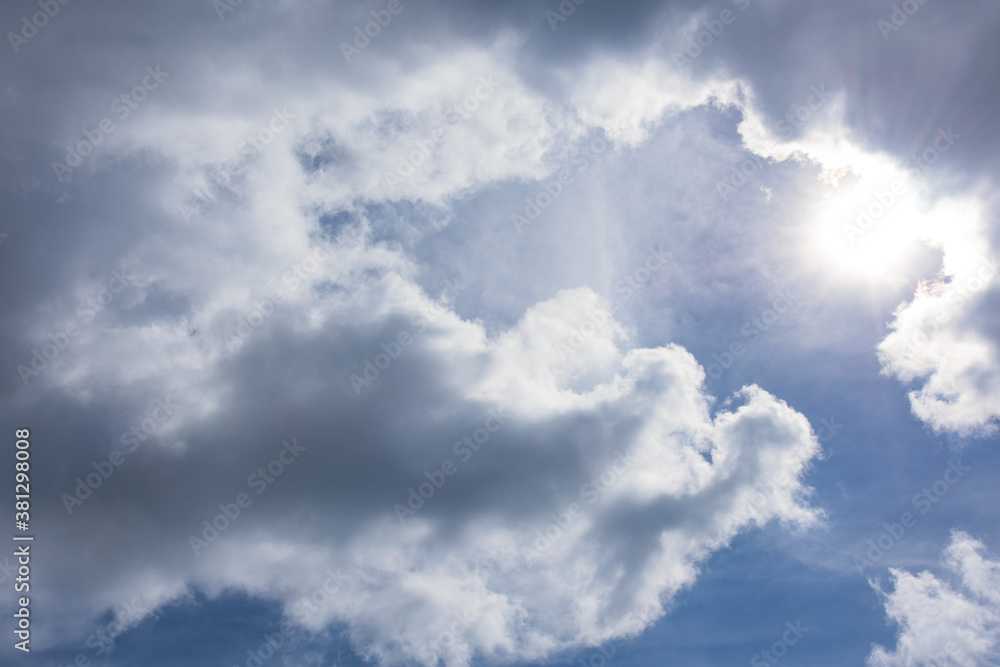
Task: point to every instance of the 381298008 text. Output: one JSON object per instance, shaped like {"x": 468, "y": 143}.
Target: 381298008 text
{"x": 22, "y": 522}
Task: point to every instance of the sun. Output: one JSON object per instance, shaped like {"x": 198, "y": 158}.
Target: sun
{"x": 869, "y": 227}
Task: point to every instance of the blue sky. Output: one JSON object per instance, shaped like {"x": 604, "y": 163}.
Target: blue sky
{"x": 503, "y": 333}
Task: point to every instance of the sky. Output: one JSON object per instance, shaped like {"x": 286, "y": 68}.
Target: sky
{"x": 474, "y": 333}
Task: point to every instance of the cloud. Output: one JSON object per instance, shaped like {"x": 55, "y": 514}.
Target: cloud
{"x": 505, "y": 485}
{"x": 607, "y": 481}
{"x": 613, "y": 475}
{"x": 945, "y": 337}
{"x": 944, "y": 623}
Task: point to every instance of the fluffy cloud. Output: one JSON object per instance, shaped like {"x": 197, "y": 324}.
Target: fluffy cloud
{"x": 945, "y": 338}
{"x": 540, "y": 489}
{"x": 611, "y": 475}
{"x": 942, "y": 623}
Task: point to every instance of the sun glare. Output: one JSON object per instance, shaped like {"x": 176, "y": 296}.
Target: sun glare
{"x": 867, "y": 230}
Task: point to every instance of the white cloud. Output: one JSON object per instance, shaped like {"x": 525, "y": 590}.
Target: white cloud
{"x": 642, "y": 528}
{"x": 942, "y": 338}
{"x": 630, "y": 99}
{"x": 680, "y": 491}
{"x": 945, "y": 624}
